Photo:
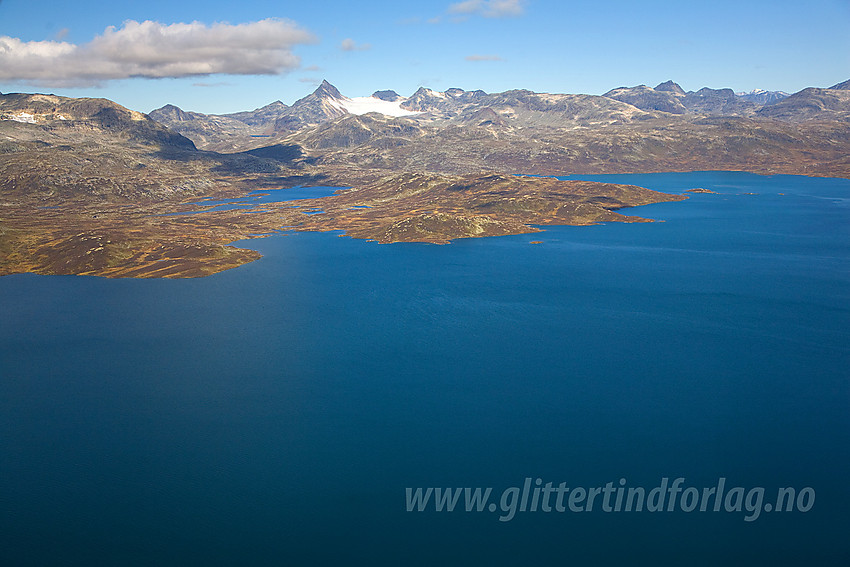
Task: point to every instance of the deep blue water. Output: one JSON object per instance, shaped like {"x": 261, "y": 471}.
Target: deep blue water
{"x": 274, "y": 414}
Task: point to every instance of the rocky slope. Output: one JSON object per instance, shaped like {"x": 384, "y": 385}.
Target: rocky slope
{"x": 650, "y": 99}
{"x": 62, "y": 115}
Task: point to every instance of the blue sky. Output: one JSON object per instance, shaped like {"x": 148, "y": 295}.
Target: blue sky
{"x": 243, "y": 55}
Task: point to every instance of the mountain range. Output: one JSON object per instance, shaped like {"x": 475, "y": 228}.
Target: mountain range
{"x": 762, "y": 97}
{"x": 627, "y": 129}
{"x": 90, "y": 187}
{"x": 57, "y": 145}
{"x": 516, "y": 107}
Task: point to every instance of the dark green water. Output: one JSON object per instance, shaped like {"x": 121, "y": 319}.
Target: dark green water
{"x": 276, "y": 413}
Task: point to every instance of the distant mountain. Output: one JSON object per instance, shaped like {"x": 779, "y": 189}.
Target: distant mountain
{"x": 442, "y": 104}
{"x": 352, "y": 130}
{"x": 811, "y": 104}
{"x": 260, "y": 116}
{"x": 671, "y": 98}
{"x": 208, "y": 131}
{"x": 650, "y": 99}
{"x": 718, "y": 102}
{"x": 518, "y": 108}
{"x": 328, "y": 122}
{"x": 232, "y": 132}
{"x": 427, "y": 100}
{"x": 524, "y": 108}
{"x": 323, "y": 104}
{"x": 389, "y": 96}
{"x": 842, "y": 86}
{"x": 670, "y": 87}
{"x": 171, "y": 113}
{"x": 327, "y": 103}
{"x": 762, "y": 97}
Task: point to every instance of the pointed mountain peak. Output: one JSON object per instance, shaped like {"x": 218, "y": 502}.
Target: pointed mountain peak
{"x": 327, "y": 90}
{"x": 272, "y": 106}
{"x": 170, "y": 112}
{"x": 169, "y": 108}
{"x": 671, "y": 87}
{"x": 426, "y": 92}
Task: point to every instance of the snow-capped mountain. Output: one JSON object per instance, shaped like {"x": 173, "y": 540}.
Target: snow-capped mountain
{"x": 761, "y": 96}
{"x": 327, "y": 103}
{"x": 326, "y": 116}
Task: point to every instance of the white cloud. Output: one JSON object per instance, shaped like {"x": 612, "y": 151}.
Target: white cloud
{"x": 466, "y": 7}
{"x": 349, "y": 44}
{"x": 483, "y": 58}
{"x": 488, "y": 8}
{"x": 213, "y": 85}
{"x": 154, "y": 50}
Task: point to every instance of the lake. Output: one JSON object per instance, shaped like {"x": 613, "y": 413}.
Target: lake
{"x": 276, "y": 414}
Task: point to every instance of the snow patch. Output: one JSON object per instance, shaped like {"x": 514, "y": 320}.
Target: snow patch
{"x": 761, "y": 91}
{"x": 24, "y": 117}
{"x": 335, "y": 103}
{"x": 365, "y": 104}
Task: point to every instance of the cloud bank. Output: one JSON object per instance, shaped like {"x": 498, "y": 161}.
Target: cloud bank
{"x": 488, "y": 8}
{"x": 483, "y": 58}
{"x": 349, "y": 44}
{"x": 154, "y": 50}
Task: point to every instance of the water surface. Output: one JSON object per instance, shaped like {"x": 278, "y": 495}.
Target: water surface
{"x": 274, "y": 414}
